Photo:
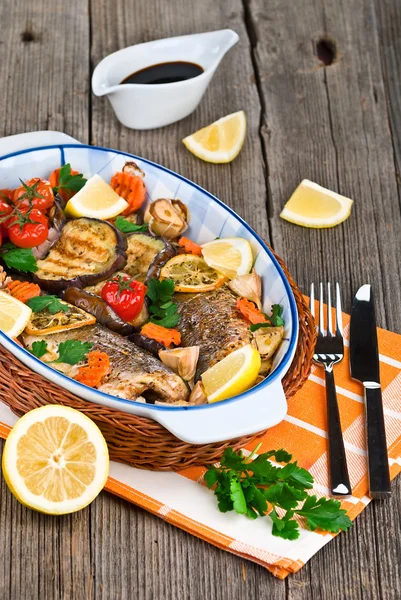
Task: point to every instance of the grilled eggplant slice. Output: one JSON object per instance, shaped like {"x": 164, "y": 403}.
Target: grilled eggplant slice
{"x": 97, "y": 307}
{"x": 142, "y": 249}
{"x": 160, "y": 260}
{"x": 88, "y": 251}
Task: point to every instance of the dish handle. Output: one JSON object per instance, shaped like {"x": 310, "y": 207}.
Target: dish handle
{"x": 260, "y": 410}
{"x": 33, "y": 139}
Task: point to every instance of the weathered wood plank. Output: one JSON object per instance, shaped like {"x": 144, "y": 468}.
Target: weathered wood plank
{"x": 44, "y": 66}
{"x": 44, "y": 80}
{"x": 330, "y": 124}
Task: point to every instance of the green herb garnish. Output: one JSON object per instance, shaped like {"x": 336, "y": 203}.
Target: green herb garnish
{"x": 162, "y": 309}
{"x": 51, "y": 303}
{"x": 274, "y": 320}
{"x": 39, "y": 349}
{"x": 72, "y": 351}
{"x": 255, "y": 487}
{"x": 69, "y": 182}
{"x": 127, "y": 227}
{"x": 21, "y": 259}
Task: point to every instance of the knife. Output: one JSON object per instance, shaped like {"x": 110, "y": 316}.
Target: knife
{"x": 364, "y": 360}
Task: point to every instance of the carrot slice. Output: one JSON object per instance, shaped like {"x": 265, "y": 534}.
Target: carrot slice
{"x": 250, "y": 311}
{"x": 23, "y": 290}
{"x": 161, "y": 334}
{"x": 98, "y": 366}
{"x": 131, "y": 188}
{"x": 189, "y": 246}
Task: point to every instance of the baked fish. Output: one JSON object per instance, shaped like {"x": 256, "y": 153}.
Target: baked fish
{"x": 134, "y": 372}
{"x": 211, "y": 321}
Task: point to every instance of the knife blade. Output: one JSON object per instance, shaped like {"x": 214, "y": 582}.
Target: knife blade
{"x": 364, "y": 362}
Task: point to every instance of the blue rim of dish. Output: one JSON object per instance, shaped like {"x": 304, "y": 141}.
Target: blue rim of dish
{"x": 294, "y": 313}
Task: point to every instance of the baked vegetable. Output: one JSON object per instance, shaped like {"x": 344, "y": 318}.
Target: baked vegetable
{"x": 146, "y": 343}
{"x": 160, "y": 260}
{"x": 88, "y": 251}
{"x": 97, "y": 307}
{"x": 141, "y": 250}
{"x": 49, "y": 320}
{"x": 57, "y": 221}
{"x": 168, "y": 218}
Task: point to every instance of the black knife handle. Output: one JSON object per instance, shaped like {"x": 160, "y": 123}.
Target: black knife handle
{"x": 379, "y": 475}
{"x": 340, "y": 484}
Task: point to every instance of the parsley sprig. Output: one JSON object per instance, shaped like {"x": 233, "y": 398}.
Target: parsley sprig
{"x": 50, "y": 303}
{"x": 69, "y": 182}
{"x": 70, "y": 351}
{"x": 127, "y": 227}
{"x": 21, "y": 259}
{"x": 274, "y": 320}
{"x": 162, "y": 309}
{"x": 255, "y": 487}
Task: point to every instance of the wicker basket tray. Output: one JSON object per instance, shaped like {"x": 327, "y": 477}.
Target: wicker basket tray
{"x": 139, "y": 441}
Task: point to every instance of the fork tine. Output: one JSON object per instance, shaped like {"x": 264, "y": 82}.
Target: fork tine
{"x": 312, "y": 300}
{"x": 330, "y": 332}
{"x": 339, "y": 316}
{"x": 321, "y": 308}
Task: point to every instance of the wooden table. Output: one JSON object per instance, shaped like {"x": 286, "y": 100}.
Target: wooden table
{"x": 320, "y": 84}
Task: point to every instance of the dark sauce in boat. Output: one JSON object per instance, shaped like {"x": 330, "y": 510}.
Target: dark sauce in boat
{"x": 169, "y": 72}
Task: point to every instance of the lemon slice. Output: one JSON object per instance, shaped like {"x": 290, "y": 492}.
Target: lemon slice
{"x": 230, "y": 256}
{"x": 96, "y": 199}
{"x": 55, "y": 460}
{"x": 312, "y": 205}
{"x": 14, "y": 315}
{"x": 221, "y": 141}
{"x": 233, "y": 375}
{"x": 191, "y": 273}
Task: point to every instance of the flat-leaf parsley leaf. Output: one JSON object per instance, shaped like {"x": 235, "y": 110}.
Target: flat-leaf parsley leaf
{"x": 256, "y": 487}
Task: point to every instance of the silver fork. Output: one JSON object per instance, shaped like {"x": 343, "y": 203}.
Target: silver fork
{"x": 329, "y": 351}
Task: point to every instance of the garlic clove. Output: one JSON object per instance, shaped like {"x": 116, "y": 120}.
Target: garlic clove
{"x": 132, "y": 167}
{"x": 166, "y": 218}
{"x": 182, "y": 360}
{"x": 268, "y": 340}
{"x": 198, "y": 395}
{"x": 248, "y": 286}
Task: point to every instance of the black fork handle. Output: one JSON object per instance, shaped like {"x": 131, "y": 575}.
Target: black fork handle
{"x": 339, "y": 478}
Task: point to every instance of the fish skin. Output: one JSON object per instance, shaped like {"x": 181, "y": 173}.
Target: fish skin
{"x": 133, "y": 372}
{"x": 211, "y": 321}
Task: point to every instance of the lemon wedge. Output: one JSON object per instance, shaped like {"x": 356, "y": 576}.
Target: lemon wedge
{"x": 221, "y": 141}
{"x": 233, "y": 375}
{"x": 97, "y": 200}
{"x": 230, "y": 256}
{"x": 55, "y": 460}
{"x": 312, "y": 205}
{"x": 14, "y": 315}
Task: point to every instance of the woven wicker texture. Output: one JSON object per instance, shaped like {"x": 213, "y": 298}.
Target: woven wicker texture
{"x": 139, "y": 441}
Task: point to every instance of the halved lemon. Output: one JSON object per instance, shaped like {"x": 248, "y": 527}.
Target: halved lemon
{"x": 312, "y": 205}
{"x": 55, "y": 460}
{"x": 221, "y": 141}
{"x": 96, "y": 199}
{"x": 230, "y": 256}
{"x": 233, "y": 375}
{"x": 14, "y": 315}
{"x": 191, "y": 273}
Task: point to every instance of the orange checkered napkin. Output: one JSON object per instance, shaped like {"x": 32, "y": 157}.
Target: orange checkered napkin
{"x": 181, "y": 499}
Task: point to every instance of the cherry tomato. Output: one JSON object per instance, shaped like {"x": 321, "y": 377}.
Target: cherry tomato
{"x": 28, "y": 228}
{"x": 125, "y": 296}
{"x": 37, "y": 192}
{"x": 5, "y": 209}
{"x": 7, "y": 194}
